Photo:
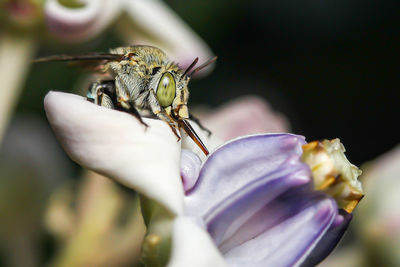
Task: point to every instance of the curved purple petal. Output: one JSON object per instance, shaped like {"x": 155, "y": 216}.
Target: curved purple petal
{"x": 330, "y": 239}
{"x": 237, "y": 164}
{"x": 287, "y": 242}
{"x": 252, "y": 210}
{"x": 190, "y": 168}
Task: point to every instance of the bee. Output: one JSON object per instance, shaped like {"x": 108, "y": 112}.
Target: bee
{"x": 144, "y": 81}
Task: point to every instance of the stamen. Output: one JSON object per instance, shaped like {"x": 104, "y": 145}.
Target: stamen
{"x": 333, "y": 173}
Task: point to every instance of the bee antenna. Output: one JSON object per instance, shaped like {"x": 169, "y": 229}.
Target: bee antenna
{"x": 190, "y": 67}
{"x": 205, "y": 64}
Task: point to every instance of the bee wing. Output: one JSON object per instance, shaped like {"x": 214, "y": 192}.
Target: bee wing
{"x": 88, "y": 61}
{"x": 101, "y": 57}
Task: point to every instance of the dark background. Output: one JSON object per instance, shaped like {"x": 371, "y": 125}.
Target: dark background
{"x": 330, "y": 66}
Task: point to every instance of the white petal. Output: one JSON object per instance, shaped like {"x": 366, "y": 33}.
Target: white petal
{"x": 161, "y": 27}
{"x": 116, "y": 145}
{"x": 192, "y": 246}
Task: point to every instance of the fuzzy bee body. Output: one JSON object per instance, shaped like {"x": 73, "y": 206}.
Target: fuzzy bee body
{"x": 144, "y": 81}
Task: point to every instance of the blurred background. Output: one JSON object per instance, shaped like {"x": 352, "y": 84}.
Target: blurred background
{"x": 331, "y": 67}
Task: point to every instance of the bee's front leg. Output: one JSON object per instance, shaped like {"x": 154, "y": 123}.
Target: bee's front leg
{"x": 132, "y": 110}
{"x": 127, "y": 106}
{"x": 159, "y": 111}
{"x": 104, "y": 94}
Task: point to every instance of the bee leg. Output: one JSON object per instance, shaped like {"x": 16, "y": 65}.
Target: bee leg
{"x": 129, "y": 108}
{"x": 159, "y": 111}
{"x": 196, "y": 120}
{"x": 122, "y": 93}
{"x": 132, "y": 110}
{"x": 104, "y": 94}
{"x": 101, "y": 93}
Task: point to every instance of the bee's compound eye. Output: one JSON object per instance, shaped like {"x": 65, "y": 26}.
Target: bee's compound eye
{"x": 166, "y": 90}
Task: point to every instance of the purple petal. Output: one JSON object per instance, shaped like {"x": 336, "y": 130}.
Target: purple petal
{"x": 330, "y": 239}
{"x": 253, "y": 209}
{"x": 289, "y": 241}
{"x": 237, "y": 164}
{"x": 190, "y": 168}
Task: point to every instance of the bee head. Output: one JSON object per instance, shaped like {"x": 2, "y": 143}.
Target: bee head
{"x": 172, "y": 87}
{"x": 171, "y": 91}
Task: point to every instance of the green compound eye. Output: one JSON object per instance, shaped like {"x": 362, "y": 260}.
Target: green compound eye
{"x": 166, "y": 90}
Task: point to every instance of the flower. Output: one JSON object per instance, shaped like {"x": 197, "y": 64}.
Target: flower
{"x": 251, "y": 202}
{"x": 255, "y": 197}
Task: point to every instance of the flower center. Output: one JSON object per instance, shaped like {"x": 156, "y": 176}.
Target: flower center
{"x": 333, "y": 173}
